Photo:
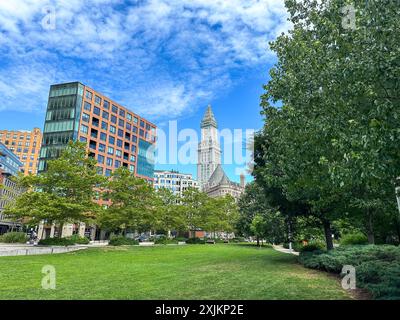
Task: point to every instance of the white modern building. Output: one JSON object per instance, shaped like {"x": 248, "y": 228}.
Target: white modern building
{"x": 175, "y": 181}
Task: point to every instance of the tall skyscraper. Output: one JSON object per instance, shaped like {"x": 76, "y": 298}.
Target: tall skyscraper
{"x": 25, "y": 145}
{"x": 209, "y": 151}
{"x": 114, "y": 135}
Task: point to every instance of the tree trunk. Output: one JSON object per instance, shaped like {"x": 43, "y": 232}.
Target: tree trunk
{"x": 371, "y": 237}
{"x": 258, "y": 241}
{"x": 328, "y": 234}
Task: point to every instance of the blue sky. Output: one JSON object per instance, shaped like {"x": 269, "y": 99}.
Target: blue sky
{"x": 164, "y": 59}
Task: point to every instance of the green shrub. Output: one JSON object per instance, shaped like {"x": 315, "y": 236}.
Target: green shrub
{"x": 354, "y": 239}
{"x": 122, "y": 241}
{"x": 312, "y": 246}
{"x": 195, "y": 241}
{"x": 238, "y": 239}
{"x": 14, "y": 237}
{"x": 79, "y": 240}
{"x": 377, "y": 267}
{"x": 181, "y": 239}
{"x": 57, "y": 242}
{"x": 165, "y": 241}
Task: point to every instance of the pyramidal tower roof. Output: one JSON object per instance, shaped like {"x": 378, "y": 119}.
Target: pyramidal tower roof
{"x": 219, "y": 176}
{"x": 208, "y": 119}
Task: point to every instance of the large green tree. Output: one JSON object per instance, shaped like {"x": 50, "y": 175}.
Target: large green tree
{"x": 64, "y": 193}
{"x": 331, "y": 145}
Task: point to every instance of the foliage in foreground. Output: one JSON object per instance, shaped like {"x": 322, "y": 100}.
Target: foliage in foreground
{"x": 14, "y": 237}
{"x": 68, "y": 241}
{"x": 377, "y": 267}
{"x": 122, "y": 241}
{"x": 354, "y": 239}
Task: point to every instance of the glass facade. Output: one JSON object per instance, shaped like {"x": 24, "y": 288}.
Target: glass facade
{"x": 62, "y": 120}
{"x": 145, "y": 160}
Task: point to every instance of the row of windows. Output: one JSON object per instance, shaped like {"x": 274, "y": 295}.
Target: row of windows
{"x": 20, "y": 144}
{"x": 62, "y": 102}
{"x": 107, "y": 172}
{"x": 111, "y": 139}
{"x": 111, "y": 150}
{"x": 114, "y": 109}
{"x": 19, "y": 150}
{"x": 59, "y": 126}
{"x": 15, "y": 136}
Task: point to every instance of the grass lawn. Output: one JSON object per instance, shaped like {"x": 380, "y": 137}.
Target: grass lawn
{"x": 224, "y": 271}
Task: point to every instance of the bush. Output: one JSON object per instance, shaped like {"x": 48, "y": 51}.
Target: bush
{"x": 122, "y": 241}
{"x": 181, "y": 239}
{"x": 377, "y": 267}
{"x": 238, "y": 239}
{"x": 312, "y": 246}
{"x": 195, "y": 241}
{"x": 57, "y": 242}
{"x": 354, "y": 239}
{"x": 79, "y": 240}
{"x": 165, "y": 241}
{"x": 14, "y": 237}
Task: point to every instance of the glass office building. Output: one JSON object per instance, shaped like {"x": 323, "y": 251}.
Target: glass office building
{"x": 114, "y": 135}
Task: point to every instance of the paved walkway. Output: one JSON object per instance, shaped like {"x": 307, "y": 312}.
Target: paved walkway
{"x": 282, "y": 249}
{"x": 10, "y": 249}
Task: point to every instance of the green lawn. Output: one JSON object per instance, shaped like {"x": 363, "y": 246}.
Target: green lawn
{"x": 168, "y": 272}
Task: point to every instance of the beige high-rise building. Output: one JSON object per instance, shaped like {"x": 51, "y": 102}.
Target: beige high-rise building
{"x": 25, "y": 145}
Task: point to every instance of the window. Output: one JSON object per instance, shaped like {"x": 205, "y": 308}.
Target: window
{"x": 103, "y": 136}
{"x": 133, "y": 148}
{"x": 134, "y": 129}
{"x": 96, "y": 110}
{"x": 121, "y": 123}
{"x": 104, "y": 125}
{"x": 89, "y": 95}
{"x": 120, "y": 133}
{"x": 142, "y": 123}
{"x": 83, "y": 139}
{"x": 147, "y": 126}
{"x": 113, "y": 119}
{"x": 108, "y": 172}
{"x": 106, "y": 104}
{"x": 87, "y": 106}
{"x": 131, "y": 168}
{"x": 135, "y": 120}
{"x": 128, "y": 126}
{"x": 105, "y": 115}
{"x": 129, "y": 117}
{"x": 141, "y": 132}
{"x": 118, "y": 153}
{"x": 114, "y": 109}
{"x": 102, "y": 147}
{"x": 109, "y": 162}
{"x": 113, "y": 129}
{"x": 99, "y": 170}
{"x": 119, "y": 143}
{"x": 100, "y": 159}
{"x": 134, "y": 139}
{"x": 85, "y": 117}
{"x": 97, "y": 100}
{"x": 84, "y": 128}
{"x": 133, "y": 158}
{"x": 110, "y": 150}
{"x": 122, "y": 113}
{"x": 117, "y": 163}
{"x": 111, "y": 140}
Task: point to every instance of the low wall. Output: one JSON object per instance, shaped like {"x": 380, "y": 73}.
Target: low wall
{"x": 39, "y": 250}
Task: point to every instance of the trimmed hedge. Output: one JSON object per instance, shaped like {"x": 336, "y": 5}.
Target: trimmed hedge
{"x": 195, "y": 241}
{"x": 14, "y": 237}
{"x": 57, "y": 242}
{"x": 165, "y": 241}
{"x": 68, "y": 241}
{"x": 377, "y": 266}
{"x": 353, "y": 239}
{"x": 122, "y": 241}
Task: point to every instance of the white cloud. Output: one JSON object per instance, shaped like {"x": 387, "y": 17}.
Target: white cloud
{"x": 163, "y": 58}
